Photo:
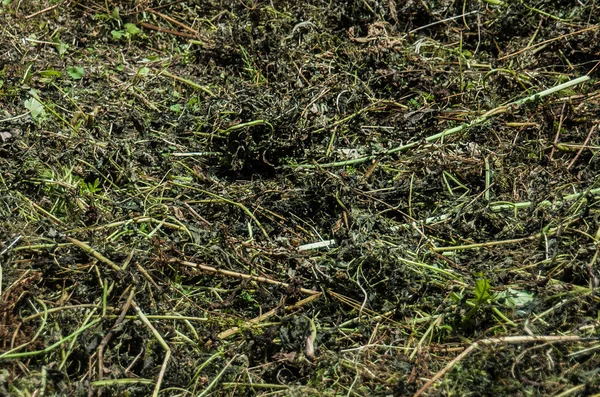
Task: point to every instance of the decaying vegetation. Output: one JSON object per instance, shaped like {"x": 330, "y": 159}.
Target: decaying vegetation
{"x": 338, "y": 198}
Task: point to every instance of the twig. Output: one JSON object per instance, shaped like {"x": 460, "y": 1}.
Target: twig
{"x": 35, "y": 14}
{"x": 246, "y": 124}
{"x": 444, "y": 20}
{"x": 216, "y": 379}
{"x": 487, "y": 244}
{"x": 560, "y": 122}
{"x": 582, "y": 146}
{"x": 226, "y": 334}
{"x": 109, "y": 335}
{"x": 5, "y": 250}
{"x": 51, "y": 347}
{"x": 175, "y": 317}
{"x": 162, "y": 342}
{"x": 121, "y": 382}
{"x": 196, "y": 154}
{"x": 505, "y": 206}
{"x": 169, "y": 31}
{"x": 451, "y": 131}
{"x": 140, "y": 219}
{"x": 273, "y": 386}
{"x": 20, "y": 116}
{"x": 40, "y": 209}
{"x": 60, "y": 308}
{"x": 548, "y": 41}
{"x": 243, "y": 276}
{"x": 227, "y": 201}
{"x": 484, "y": 244}
{"x": 493, "y": 341}
{"x": 196, "y": 214}
{"x": 188, "y": 82}
{"x": 89, "y": 250}
{"x": 172, "y": 20}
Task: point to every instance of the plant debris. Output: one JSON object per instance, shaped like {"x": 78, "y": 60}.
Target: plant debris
{"x": 362, "y": 198}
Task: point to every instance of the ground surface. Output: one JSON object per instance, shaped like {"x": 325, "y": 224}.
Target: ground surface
{"x": 164, "y": 164}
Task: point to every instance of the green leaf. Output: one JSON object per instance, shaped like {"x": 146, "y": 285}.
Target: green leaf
{"x": 61, "y": 47}
{"x": 144, "y": 71}
{"x": 35, "y": 107}
{"x": 117, "y": 34}
{"x": 75, "y": 72}
{"x": 115, "y": 13}
{"x": 132, "y": 29}
{"x": 175, "y": 108}
{"x": 514, "y": 298}
{"x": 482, "y": 290}
{"x": 93, "y": 187}
{"x": 495, "y": 2}
{"x": 49, "y": 75}
{"x": 455, "y": 297}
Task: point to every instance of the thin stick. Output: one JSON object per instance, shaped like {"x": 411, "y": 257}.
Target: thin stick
{"x": 505, "y": 206}
{"x": 243, "y": 276}
{"x": 5, "y": 250}
{"x": 444, "y": 20}
{"x": 169, "y": 31}
{"x": 90, "y": 251}
{"x": 51, "y": 347}
{"x": 582, "y": 146}
{"x": 60, "y": 308}
{"x": 141, "y": 219}
{"x": 174, "y": 21}
{"x": 196, "y": 214}
{"x": 43, "y": 211}
{"x": 44, "y": 10}
{"x": 494, "y": 341}
{"x": 504, "y": 242}
{"x": 188, "y": 82}
{"x": 560, "y": 122}
{"x": 227, "y": 201}
{"x": 451, "y": 131}
{"x": 484, "y": 245}
{"x": 216, "y": 379}
{"x": 548, "y": 41}
{"x": 174, "y": 317}
{"x": 226, "y": 334}
{"x": 109, "y": 335}
{"x": 162, "y": 342}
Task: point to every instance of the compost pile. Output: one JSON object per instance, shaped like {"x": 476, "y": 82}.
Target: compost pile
{"x": 358, "y": 198}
